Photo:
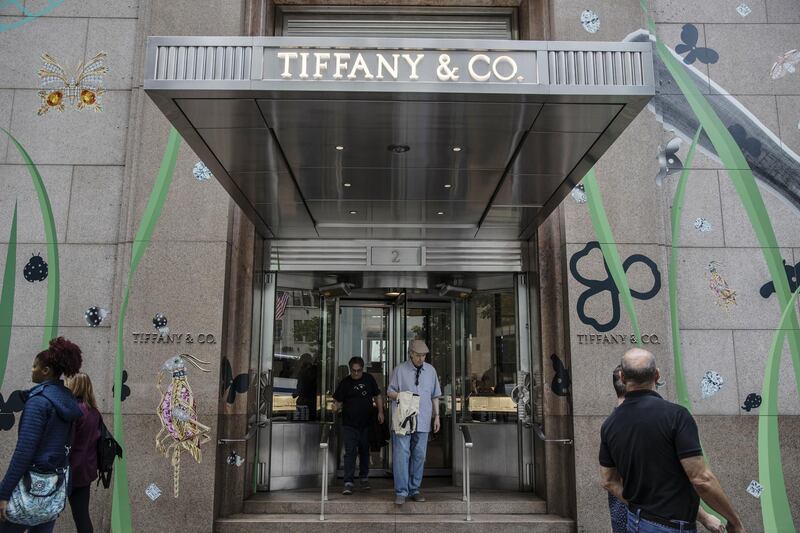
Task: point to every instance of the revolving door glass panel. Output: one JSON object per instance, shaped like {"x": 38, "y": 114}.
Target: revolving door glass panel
{"x": 363, "y": 332}
{"x": 432, "y": 323}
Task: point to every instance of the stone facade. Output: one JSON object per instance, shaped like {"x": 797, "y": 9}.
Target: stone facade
{"x": 732, "y": 340}
{"x": 99, "y": 169}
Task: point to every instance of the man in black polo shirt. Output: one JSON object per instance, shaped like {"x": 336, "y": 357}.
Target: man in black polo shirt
{"x": 654, "y": 447}
{"x": 355, "y": 395}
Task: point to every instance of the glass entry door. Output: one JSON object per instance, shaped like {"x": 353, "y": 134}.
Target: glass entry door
{"x": 363, "y": 331}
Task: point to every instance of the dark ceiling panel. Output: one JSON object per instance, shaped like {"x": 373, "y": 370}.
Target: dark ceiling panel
{"x": 369, "y": 147}
{"x": 219, "y": 113}
{"x": 244, "y": 150}
{"x": 552, "y": 153}
{"x": 397, "y": 114}
{"x": 576, "y": 117}
{"x": 527, "y": 189}
{"x": 267, "y": 187}
{"x": 400, "y": 184}
{"x": 380, "y": 212}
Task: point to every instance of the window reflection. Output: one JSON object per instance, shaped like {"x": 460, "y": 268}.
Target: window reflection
{"x": 490, "y": 370}
{"x": 297, "y": 356}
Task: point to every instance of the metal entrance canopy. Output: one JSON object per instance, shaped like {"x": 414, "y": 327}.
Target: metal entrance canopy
{"x": 363, "y": 138}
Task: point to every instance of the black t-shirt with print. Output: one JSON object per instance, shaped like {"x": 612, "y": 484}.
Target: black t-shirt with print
{"x": 356, "y": 398}
{"x": 645, "y": 439}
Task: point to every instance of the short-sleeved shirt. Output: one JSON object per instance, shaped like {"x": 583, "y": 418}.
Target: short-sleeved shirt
{"x": 645, "y": 439}
{"x": 356, "y": 397}
{"x": 404, "y": 378}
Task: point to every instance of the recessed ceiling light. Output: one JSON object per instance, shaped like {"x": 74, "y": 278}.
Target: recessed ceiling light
{"x": 398, "y": 148}
{"x": 440, "y": 212}
{"x": 346, "y": 184}
{"x": 447, "y": 185}
{"x": 353, "y": 212}
{"x": 340, "y": 147}
{"x": 456, "y": 148}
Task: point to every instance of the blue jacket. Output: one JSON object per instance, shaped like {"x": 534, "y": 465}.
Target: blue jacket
{"x": 37, "y": 443}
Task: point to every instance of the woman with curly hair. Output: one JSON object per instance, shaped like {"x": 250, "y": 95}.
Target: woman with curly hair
{"x": 45, "y": 425}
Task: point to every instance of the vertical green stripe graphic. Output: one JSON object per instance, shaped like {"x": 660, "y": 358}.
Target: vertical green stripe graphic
{"x": 609, "y": 247}
{"x": 121, "y": 505}
{"x": 776, "y": 513}
{"x": 7, "y": 297}
{"x": 53, "y": 276}
{"x": 681, "y": 389}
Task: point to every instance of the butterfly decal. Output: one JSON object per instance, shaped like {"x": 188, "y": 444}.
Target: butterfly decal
{"x": 14, "y": 404}
{"x": 561, "y": 385}
{"x": 689, "y": 38}
{"x": 84, "y": 85}
{"x": 785, "y": 64}
{"x": 668, "y": 160}
{"x": 748, "y": 144}
{"x": 233, "y": 385}
{"x": 126, "y": 391}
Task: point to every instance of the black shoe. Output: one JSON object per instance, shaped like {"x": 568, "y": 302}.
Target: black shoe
{"x": 418, "y": 497}
{"x": 399, "y": 500}
{"x": 348, "y": 489}
{"x": 364, "y": 484}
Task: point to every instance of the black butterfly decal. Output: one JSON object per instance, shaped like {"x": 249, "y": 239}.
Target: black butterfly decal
{"x": 561, "y": 384}
{"x": 689, "y": 36}
{"x": 234, "y": 385}
{"x": 126, "y": 391}
{"x": 748, "y": 144}
{"x": 14, "y": 404}
{"x": 791, "y": 275}
{"x": 668, "y": 160}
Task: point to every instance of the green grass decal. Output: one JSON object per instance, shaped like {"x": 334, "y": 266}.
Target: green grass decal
{"x": 609, "y": 247}
{"x": 777, "y": 516}
{"x": 743, "y": 180}
{"x": 121, "y": 505}
{"x": 7, "y": 297}
{"x": 776, "y": 513}
{"x": 677, "y": 207}
{"x": 53, "y": 276}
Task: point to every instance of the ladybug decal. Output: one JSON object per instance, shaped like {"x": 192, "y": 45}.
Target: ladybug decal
{"x": 36, "y": 269}
{"x": 94, "y": 316}
{"x": 160, "y": 323}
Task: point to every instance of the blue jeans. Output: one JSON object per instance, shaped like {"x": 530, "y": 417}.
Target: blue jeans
{"x": 642, "y": 525}
{"x": 8, "y": 527}
{"x": 408, "y": 460}
{"x": 356, "y": 442}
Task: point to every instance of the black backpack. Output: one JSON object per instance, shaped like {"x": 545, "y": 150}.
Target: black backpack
{"x": 108, "y": 449}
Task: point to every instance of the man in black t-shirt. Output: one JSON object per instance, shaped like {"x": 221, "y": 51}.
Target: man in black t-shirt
{"x": 653, "y": 445}
{"x": 355, "y": 396}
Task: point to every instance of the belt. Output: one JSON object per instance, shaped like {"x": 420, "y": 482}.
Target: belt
{"x": 675, "y": 524}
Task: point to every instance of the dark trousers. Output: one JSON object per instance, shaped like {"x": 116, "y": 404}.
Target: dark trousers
{"x": 79, "y": 503}
{"x": 356, "y": 441}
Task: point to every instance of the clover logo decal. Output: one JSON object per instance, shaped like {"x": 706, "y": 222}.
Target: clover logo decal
{"x": 599, "y": 286}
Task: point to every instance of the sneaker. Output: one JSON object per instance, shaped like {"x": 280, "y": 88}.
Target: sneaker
{"x": 399, "y": 500}
{"x": 418, "y": 497}
{"x": 364, "y": 484}
{"x": 348, "y": 489}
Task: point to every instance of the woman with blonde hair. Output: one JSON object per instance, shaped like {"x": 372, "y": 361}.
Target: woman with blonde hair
{"x": 83, "y": 456}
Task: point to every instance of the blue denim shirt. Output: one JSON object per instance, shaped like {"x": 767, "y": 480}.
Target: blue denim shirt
{"x": 404, "y": 378}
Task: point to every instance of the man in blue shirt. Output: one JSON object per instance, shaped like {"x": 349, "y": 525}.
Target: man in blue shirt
{"x": 408, "y": 451}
